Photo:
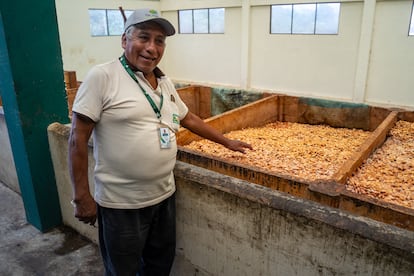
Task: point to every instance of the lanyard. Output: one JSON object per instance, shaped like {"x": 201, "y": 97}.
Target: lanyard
{"x": 153, "y": 105}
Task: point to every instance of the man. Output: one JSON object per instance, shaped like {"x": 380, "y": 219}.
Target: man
{"x": 133, "y": 111}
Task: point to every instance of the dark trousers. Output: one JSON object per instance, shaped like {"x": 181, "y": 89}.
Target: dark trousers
{"x": 138, "y": 241}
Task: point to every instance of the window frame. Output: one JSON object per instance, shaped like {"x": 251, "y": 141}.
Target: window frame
{"x": 193, "y": 21}
{"x": 90, "y": 23}
{"x": 315, "y": 20}
{"x": 411, "y": 25}
{"x": 107, "y": 22}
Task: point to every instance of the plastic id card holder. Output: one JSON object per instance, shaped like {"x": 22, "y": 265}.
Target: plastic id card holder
{"x": 165, "y": 138}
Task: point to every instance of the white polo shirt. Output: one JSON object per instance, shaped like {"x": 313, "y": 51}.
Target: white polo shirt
{"x": 132, "y": 170}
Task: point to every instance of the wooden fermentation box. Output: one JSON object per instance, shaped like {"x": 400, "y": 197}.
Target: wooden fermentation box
{"x": 331, "y": 192}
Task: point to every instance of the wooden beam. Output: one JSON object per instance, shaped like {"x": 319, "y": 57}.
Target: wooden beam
{"x": 375, "y": 140}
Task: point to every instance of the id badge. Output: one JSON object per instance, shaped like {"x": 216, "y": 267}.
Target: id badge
{"x": 165, "y": 138}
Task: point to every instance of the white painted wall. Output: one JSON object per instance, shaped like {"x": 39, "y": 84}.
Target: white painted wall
{"x": 306, "y": 65}
{"x": 371, "y": 60}
{"x": 391, "y": 70}
{"x": 80, "y": 51}
{"x": 206, "y": 58}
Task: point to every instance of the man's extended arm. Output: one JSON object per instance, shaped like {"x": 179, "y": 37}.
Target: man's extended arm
{"x": 196, "y": 125}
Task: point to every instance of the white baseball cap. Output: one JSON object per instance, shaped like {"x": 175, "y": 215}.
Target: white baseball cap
{"x": 146, "y": 15}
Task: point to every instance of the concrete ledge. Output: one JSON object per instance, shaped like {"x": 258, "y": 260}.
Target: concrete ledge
{"x": 227, "y": 226}
{"x": 371, "y": 229}
{"x": 58, "y": 135}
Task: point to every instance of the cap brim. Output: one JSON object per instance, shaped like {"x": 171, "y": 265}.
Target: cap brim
{"x": 165, "y": 24}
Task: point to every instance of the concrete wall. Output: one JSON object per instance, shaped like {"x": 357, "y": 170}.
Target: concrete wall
{"x": 8, "y": 174}
{"x": 227, "y": 226}
{"x": 58, "y": 136}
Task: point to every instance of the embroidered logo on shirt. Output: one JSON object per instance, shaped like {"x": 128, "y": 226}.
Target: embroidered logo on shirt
{"x": 176, "y": 119}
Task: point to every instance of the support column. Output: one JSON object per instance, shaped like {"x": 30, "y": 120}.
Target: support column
{"x": 33, "y": 94}
{"x": 245, "y": 45}
{"x": 364, "y": 51}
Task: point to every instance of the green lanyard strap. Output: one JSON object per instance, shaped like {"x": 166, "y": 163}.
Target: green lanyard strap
{"x": 152, "y": 103}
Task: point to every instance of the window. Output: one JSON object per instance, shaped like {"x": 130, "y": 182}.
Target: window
{"x": 97, "y": 22}
{"x": 201, "y": 21}
{"x": 303, "y": 19}
{"x": 316, "y": 18}
{"x": 185, "y": 19}
{"x": 281, "y": 19}
{"x": 106, "y": 22}
{"x": 216, "y": 21}
{"x": 411, "y": 32}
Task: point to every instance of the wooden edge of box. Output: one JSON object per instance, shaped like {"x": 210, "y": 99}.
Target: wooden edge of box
{"x": 377, "y": 209}
{"x": 285, "y": 183}
{"x": 70, "y": 79}
{"x": 239, "y": 118}
{"x": 375, "y": 140}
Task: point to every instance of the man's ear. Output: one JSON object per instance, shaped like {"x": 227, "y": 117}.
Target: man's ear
{"x": 123, "y": 39}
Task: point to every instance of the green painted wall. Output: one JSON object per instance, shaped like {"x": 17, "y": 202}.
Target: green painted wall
{"x": 33, "y": 94}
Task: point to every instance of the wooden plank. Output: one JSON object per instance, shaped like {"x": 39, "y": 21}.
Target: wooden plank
{"x": 377, "y": 116}
{"x": 377, "y": 209}
{"x": 406, "y": 116}
{"x": 288, "y": 108}
{"x": 282, "y": 183}
{"x": 254, "y": 114}
{"x": 204, "y": 102}
{"x": 70, "y": 79}
{"x": 375, "y": 140}
{"x": 197, "y": 99}
{"x": 70, "y": 97}
{"x": 190, "y": 96}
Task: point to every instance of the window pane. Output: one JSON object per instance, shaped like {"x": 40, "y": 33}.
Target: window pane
{"x": 201, "y": 21}
{"x": 304, "y": 18}
{"x": 97, "y": 22}
{"x": 281, "y": 21}
{"x": 412, "y": 22}
{"x": 327, "y": 18}
{"x": 127, "y": 13}
{"x": 185, "y": 19}
{"x": 115, "y": 22}
{"x": 216, "y": 20}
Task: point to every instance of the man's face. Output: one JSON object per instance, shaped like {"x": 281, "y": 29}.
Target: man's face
{"x": 145, "y": 48}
